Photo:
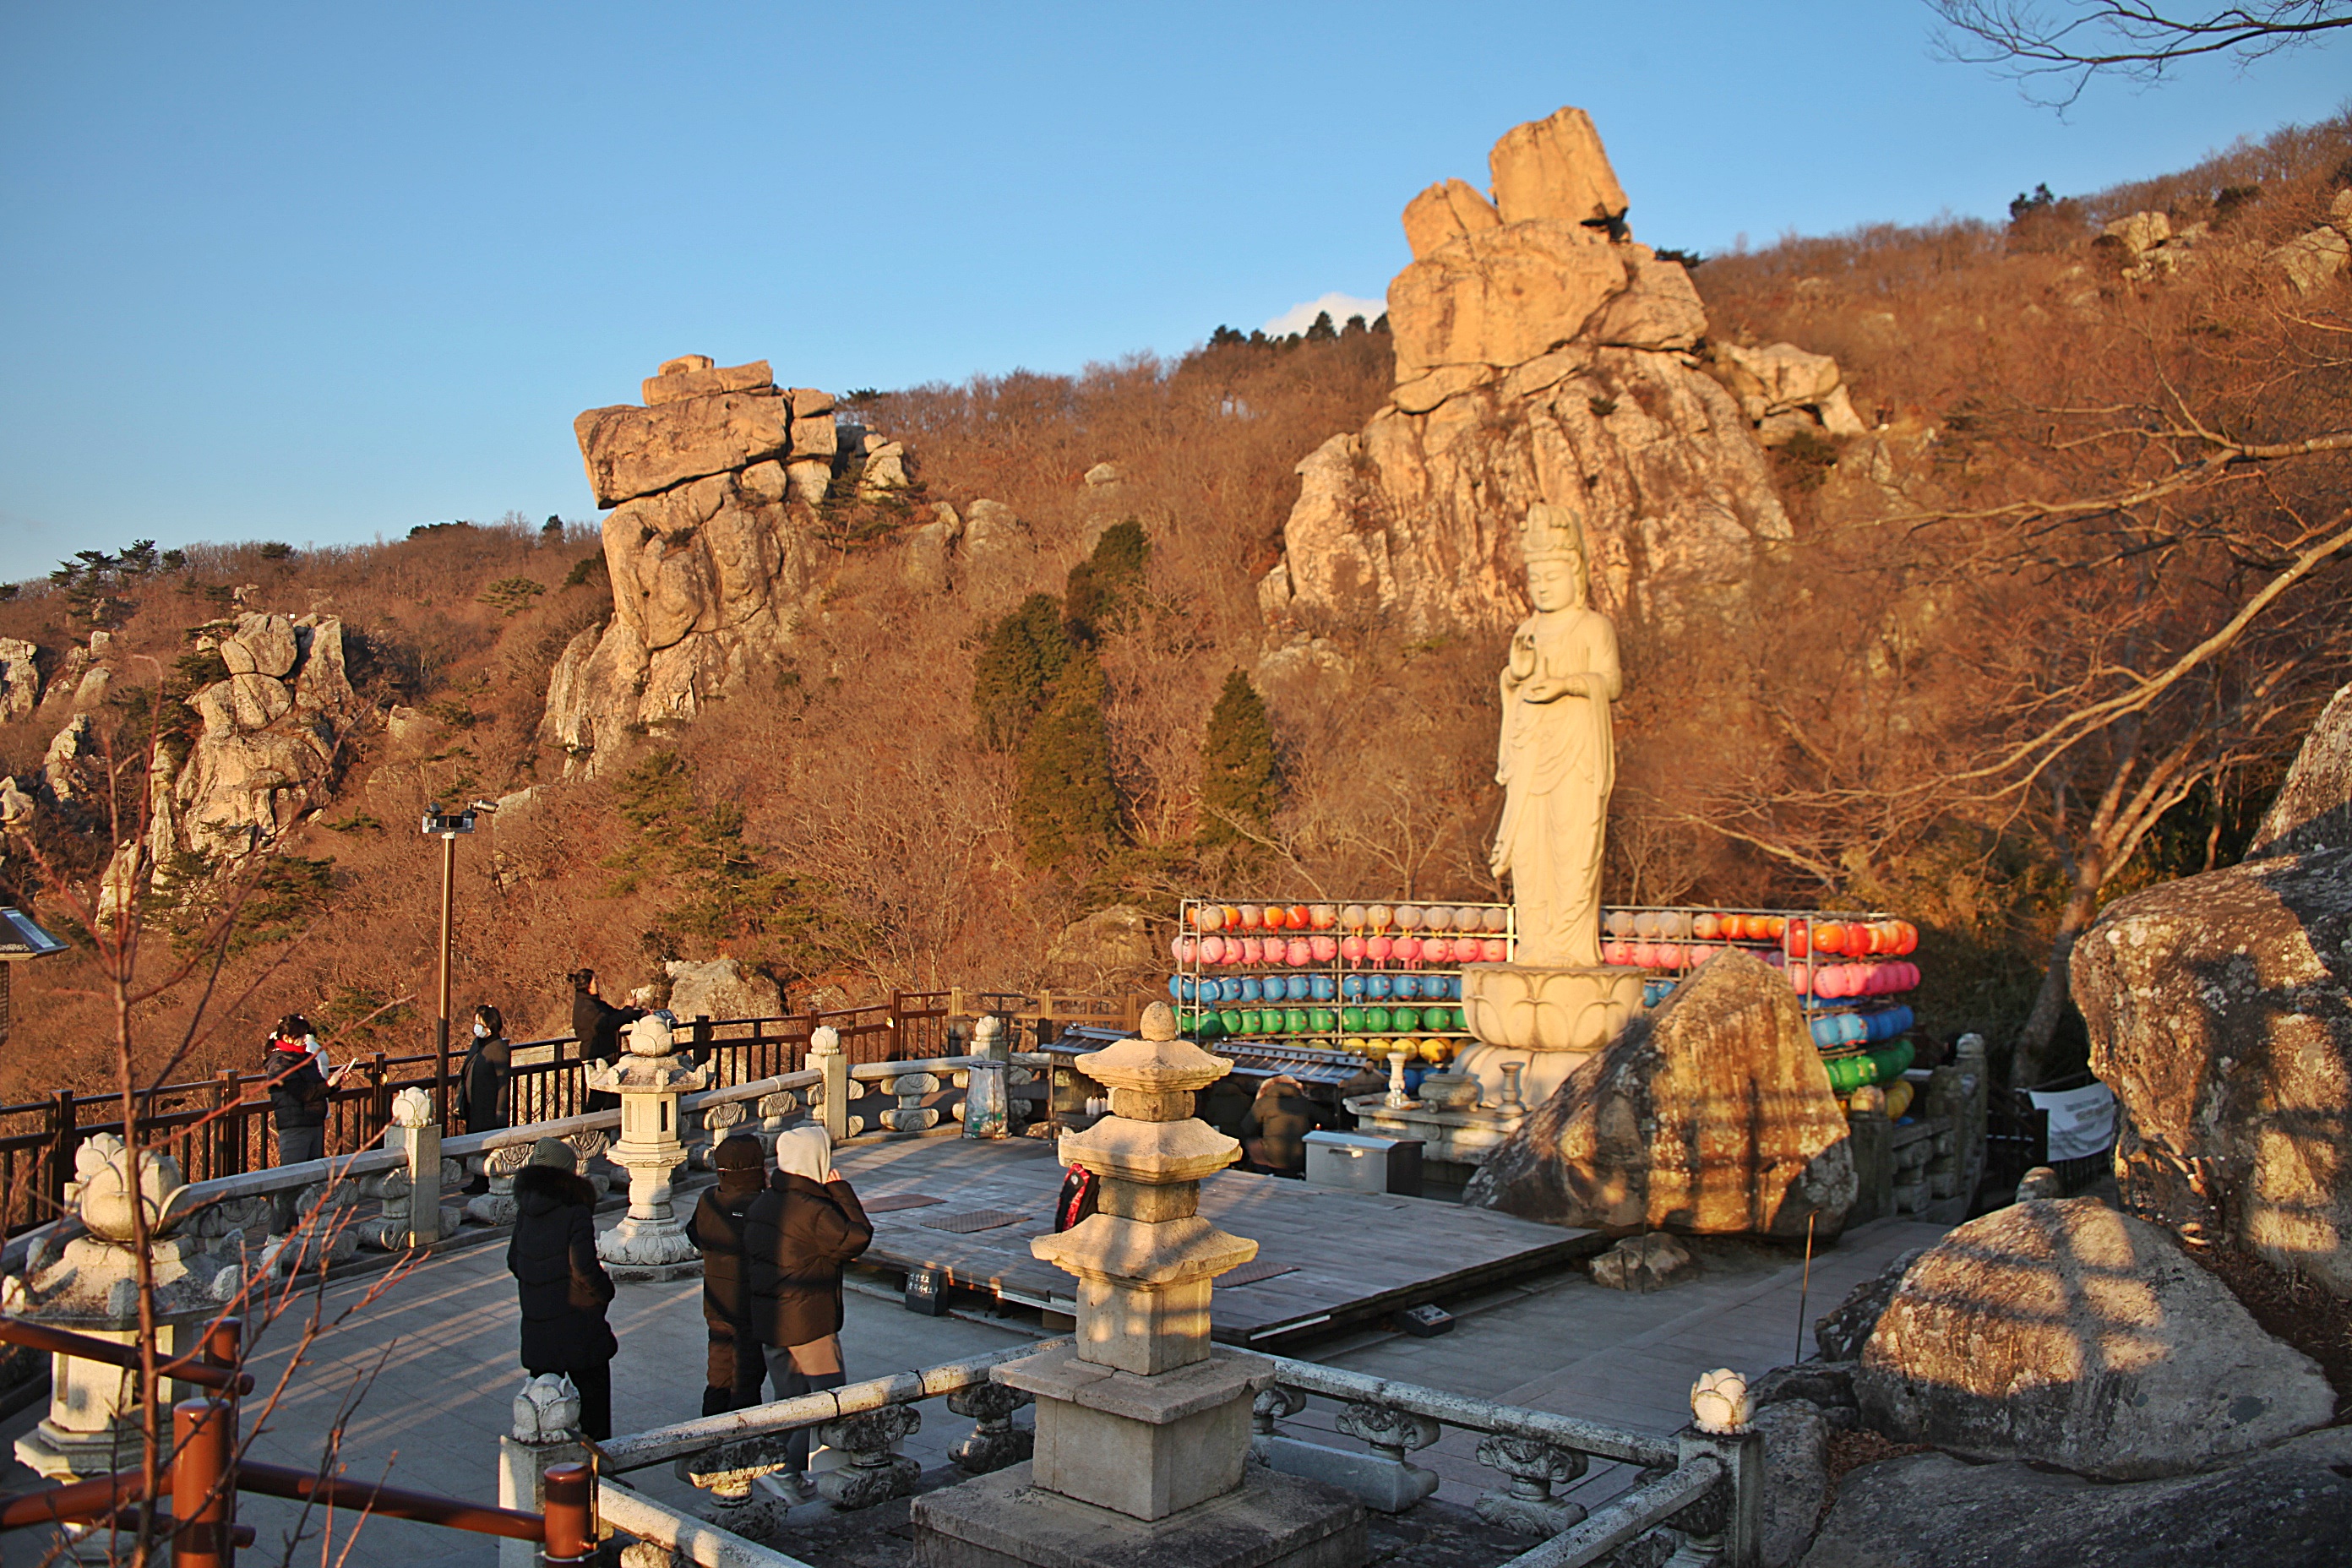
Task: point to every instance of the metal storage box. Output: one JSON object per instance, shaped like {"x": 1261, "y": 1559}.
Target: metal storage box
{"x": 1360, "y": 1163}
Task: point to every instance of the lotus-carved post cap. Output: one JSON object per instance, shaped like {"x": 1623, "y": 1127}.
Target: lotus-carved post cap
{"x": 652, "y": 1036}
{"x": 411, "y": 1107}
{"x": 1720, "y": 1402}
{"x": 825, "y": 1040}
{"x": 100, "y": 1191}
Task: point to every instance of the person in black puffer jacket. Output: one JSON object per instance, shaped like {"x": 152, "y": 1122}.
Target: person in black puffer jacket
{"x": 715, "y": 1228}
{"x": 798, "y": 1233}
{"x": 564, "y": 1289}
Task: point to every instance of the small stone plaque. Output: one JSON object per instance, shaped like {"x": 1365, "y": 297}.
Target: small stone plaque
{"x": 888, "y": 1202}
{"x": 974, "y": 1219}
{"x": 1250, "y": 1273}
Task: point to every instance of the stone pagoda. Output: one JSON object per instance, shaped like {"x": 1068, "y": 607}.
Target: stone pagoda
{"x": 1143, "y": 1425}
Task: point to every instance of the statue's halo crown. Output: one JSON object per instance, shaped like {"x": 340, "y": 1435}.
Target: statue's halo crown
{"x": 1551, "y": 534}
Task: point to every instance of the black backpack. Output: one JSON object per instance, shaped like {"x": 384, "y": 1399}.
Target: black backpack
{"x": 1081, "y": 1188}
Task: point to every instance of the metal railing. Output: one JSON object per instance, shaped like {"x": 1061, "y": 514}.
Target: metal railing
{"x": 220, "y": 1127}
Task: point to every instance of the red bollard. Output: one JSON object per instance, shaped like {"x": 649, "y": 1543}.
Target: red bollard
{"x": 571, "y": 1526}
{"x": 203, "y": 1496}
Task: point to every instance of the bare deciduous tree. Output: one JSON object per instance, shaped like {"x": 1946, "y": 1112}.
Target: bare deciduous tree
{"x": 2061, "y": 46}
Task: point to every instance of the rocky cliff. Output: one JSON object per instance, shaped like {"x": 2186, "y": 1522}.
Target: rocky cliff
{"x": 1541, "y": 354}
{"x": 713, "y": 483}
{"x": 268, "y": 739}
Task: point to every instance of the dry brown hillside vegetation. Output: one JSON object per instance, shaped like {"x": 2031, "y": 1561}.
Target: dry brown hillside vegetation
{"x": 1971, "y": 688}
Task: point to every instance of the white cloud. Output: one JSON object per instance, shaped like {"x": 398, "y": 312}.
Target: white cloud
{"x": 1298, "y": 318}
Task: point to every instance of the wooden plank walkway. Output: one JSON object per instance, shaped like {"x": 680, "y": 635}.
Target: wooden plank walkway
{"x": 1325, "y": 1260}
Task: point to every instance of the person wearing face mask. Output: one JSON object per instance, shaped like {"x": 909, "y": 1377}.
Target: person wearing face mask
{"x": 485, "y": 1084}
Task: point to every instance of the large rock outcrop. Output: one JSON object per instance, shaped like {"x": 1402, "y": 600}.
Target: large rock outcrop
{"x": 2063, "y": 1333}
{"x": 1541, "y": 355}
{"x": 20, "y": 680}
{"x": 2219, "y": 1010}
{"x": 709, "y": 545}
{"x": 1711, "y": 1114}
{"x": 2313, "y": 809}
{"x": 2290, "y": 1506}
{"x": 268, "y": 743}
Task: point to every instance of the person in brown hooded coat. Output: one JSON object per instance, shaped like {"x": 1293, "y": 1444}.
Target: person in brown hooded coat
{"x": 716, "y": 1227}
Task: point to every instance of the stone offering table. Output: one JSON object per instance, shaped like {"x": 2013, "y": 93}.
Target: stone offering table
{"x": 1142, "y": 1426}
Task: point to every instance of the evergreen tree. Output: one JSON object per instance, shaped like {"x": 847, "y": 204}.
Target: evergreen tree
{"x": 1238, "y": 780}
{"x": 1020, "y": 657}
{"x": 1322, "y": 330}
{"x": 1066, "y": 806}
{"x": 1099, "y": 590}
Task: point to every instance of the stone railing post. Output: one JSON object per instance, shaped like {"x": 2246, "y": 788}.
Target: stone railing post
{"x": 1534, "y": 1467}
{"x": 415, "y": 1134}
{"x": 1727, "y": 1526}
{"x": 546, "y": 1432}
{"x": 995, "y": 1441}
{"x": 910, "y": 1114}
{"x": 775, "y": 1111}
{"x": 825, "y": 1054}
{"x": 877, "y": 1471}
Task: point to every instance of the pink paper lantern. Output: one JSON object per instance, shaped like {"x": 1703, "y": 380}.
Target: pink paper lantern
{"x": 1801, "y": 975}
{"x": 1616, "y": 952}
{"x": 1646, "y": 954}
{"x": 1186, "y": 949}
{"x": 1408, "y": 948}
{"x": 1298, "y": 953}
{"x": 1212, "y": 950}
{"x": 1379, "y": 949}
{"x": 1324, "y": 949}
{"x": 1830, "y": 980}
{"x": 1351, "y": 948}
{"x": 1494, "y": 950}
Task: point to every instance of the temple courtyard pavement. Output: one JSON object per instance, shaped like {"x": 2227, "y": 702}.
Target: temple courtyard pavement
{"x": 427, "y": 1372}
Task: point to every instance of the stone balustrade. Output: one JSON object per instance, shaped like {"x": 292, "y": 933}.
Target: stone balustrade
{"x": 1700, "y": 1487}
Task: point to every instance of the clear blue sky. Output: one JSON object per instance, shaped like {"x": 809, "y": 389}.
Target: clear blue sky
{"x": 321, "y": 272}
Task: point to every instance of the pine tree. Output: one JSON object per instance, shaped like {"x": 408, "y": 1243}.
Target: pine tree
{"x": 1239, "y": 784}
{"x": 1065, "y": 804}
{"x": 1099, "y": 593}
{"x": 1020, "y": 657}
{"x": 1322, "y": 330}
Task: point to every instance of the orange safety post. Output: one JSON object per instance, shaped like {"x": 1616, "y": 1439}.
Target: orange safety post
{"x": 570, "y": 1531}
{"x": 204, "y": 1492}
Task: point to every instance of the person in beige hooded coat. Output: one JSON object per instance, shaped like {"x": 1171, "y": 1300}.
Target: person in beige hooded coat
{"x": 797, "y": 1234}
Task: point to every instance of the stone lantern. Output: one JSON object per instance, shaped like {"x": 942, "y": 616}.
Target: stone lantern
{"x": 1142, "y": 1426}
{"x": 91, "y": 1287}
{"x": 650, "y": 1242}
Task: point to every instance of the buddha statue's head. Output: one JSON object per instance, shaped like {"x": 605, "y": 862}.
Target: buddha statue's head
{"x": 1552, "y": 543}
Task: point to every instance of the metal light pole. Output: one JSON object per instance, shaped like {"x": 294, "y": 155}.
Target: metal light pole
{"x": 447, "y": 826}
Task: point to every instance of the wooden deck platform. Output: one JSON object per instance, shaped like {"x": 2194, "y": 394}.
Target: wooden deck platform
{"x": 1325, "y": 1260}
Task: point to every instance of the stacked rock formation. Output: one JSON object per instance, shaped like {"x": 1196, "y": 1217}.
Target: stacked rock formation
{"x": 1542, "y": 355}
{"x": 269, "y": 743}
{"x": 713, "y": 484}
